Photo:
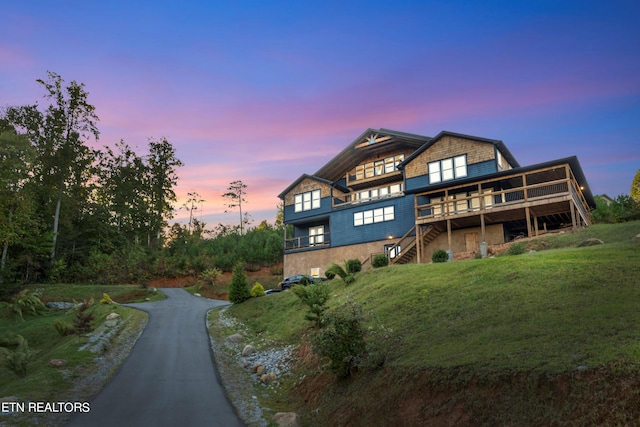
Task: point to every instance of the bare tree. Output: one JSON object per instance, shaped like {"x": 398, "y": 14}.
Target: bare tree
{"x": 235, "y": 197}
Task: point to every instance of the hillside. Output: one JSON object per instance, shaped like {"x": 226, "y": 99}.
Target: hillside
{"x": 544, "y": 338}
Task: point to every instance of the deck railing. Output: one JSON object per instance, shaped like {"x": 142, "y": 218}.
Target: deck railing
{"x": 302, "y": 242}
{"x": 489, "y": 194}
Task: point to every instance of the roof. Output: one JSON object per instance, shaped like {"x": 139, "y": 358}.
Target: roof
{"x": 297, "y": 181}
{"x": 354, "y": 153}
{"x": 499, "y": 144}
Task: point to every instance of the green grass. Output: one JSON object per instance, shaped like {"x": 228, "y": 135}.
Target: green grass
{"x": 540, "y": 314}
{"x": 42, "y": 382}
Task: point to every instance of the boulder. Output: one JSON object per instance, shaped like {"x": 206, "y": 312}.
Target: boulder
{"x": 636, "y": 238}
{"x": 110, "y": 323}
{"x": 112, "y": 316}
{"x": 287, "y": 419}
{"x": 260, "y": 369}
{"x": 268, "y": 378}
{"x": 590, "y": 242}
{"x": 57, "y": 363}
{"x": 235, "y": 338}
{"x": 248, "y": 350}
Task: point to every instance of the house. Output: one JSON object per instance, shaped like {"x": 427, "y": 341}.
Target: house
{"x": 406, "y": 195}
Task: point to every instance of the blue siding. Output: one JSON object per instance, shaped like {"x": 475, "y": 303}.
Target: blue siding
{"x": 343, "y": 232}
{"x": 291, "y": 216}
{"x": 474, "y": 170}
{"x": 480, "y": 169}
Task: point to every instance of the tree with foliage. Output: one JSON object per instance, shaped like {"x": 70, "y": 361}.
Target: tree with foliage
{"x": 635, "y": 187}
{"x": 239, "y": 287}
{"x": 59, "y": 133}
{"x": 162, "y": 178}
{"x": 16, "y": 206}
{"x": 235, "y": 198}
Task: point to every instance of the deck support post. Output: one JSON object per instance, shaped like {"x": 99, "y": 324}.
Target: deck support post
{"x": 528, "y": 215}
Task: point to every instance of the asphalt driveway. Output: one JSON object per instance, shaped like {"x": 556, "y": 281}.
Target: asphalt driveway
{"x": 169, "y": 378}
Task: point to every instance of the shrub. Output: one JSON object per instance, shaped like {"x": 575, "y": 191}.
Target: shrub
{"x": 516, "y": 249}
{"x": 18, "y": 359}
{"x": 106, "y": 299}
{"x": 26, "y": 302}
{"x": 305, "y": 281}
{"x": 63, "y": 328}
{"x": 210, "y": 276}
{"x": 82, "y": 323}
{"x": 257, "y": 290}
{"x": 330, "y": 275}
{"x": 353, "y": 266}
{"x": 315, "y": 298}
{"x": 239, "y": 287}
{"x": 342, "y": 339}
{"x": 347, "y": 274}
{"x": 440, "y": 255}
{"x": 380, "y": 260}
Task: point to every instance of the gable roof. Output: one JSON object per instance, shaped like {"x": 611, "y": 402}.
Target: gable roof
{"x": 499, "y": 144}
{"x": 363, "y": 146}
{"x": 299, "y": 180}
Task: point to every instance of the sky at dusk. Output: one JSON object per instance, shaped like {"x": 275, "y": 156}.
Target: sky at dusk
{"x": 264, "y": 91}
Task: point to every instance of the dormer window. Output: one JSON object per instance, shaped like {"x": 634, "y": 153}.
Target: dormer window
{"x": 307, "y": 201}
{"x": 448, "y": 169}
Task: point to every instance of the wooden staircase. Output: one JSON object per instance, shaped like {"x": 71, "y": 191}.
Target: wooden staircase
{"x": 408, "y": 246}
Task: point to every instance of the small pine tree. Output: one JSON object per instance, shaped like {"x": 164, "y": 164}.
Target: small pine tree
{"x": 239, "y": 287}
{"x": 635, "y": 187}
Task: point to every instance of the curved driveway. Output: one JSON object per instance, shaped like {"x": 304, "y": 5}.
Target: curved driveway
{"x": 169, "y": 378}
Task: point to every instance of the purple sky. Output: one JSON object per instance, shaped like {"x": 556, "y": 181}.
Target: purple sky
{"x": 265, "y": 91}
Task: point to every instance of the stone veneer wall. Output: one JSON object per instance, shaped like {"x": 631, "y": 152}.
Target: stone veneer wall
{"x": 302, "y": 262}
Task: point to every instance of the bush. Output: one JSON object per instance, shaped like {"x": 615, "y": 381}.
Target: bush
{"x": 18, "y": 359}
{"x": 353, "y": 266}
{"x": 330, "y": 275}
{"x": 257, "y": 290}
{"x": 315, "y": 298}
{"x": 63, "y": 328}
{"x": 516, "y": 249}
{"x": 305, "y": 281}
{"x": 380, "y": 260}
{"x": 440, "y": 255}
{"x": 26, "y": 302}
{"x": 210, "y": 276}
{"x": 106, "y": 299}
{"x": 239, "y": 287}
{"x": 82, "y": 323}
{"x": 342, "y": 339}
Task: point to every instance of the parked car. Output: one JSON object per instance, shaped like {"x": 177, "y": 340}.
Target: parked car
{"x": 288, "y": 282}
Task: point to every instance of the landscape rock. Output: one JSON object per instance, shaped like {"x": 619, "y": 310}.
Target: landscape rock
{"x": 287, "y": 419}
{"x": 57, "y": 363}
{"x": 268, "y": 378}
{"x": 235, "y": 338}
{"x": 248, "y": 350}
{"x": 636, "y": 238}
{"x": 590, "y": 242}
{"x": 60, "y": 305}
{"x": 112, "y": 316}
{"x": 110, "y": 323}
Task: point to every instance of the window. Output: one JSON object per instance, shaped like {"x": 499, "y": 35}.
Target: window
{"x": 376, "y": 193}
{"x": 447, "y": 169}
{"x": 316, "y": 235}
{"x": 307, "y": 201}
{"x": 378, "y": 167}
{"x": 374, "y": 215}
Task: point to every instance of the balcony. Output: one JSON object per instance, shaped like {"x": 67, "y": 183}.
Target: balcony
{"x": 551, "y": 194}
{"x": 317, "y": 241}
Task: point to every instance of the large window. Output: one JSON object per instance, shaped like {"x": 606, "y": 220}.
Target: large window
{"x": 447, "y": 169}
{"x": 379, "y": 167}
{"x": 376, "y": 193}
{"x": 374, "y": 215}
{"x": 307, "y": 201}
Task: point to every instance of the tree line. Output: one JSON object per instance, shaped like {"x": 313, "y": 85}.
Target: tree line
{"x": 69, "y": 212}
